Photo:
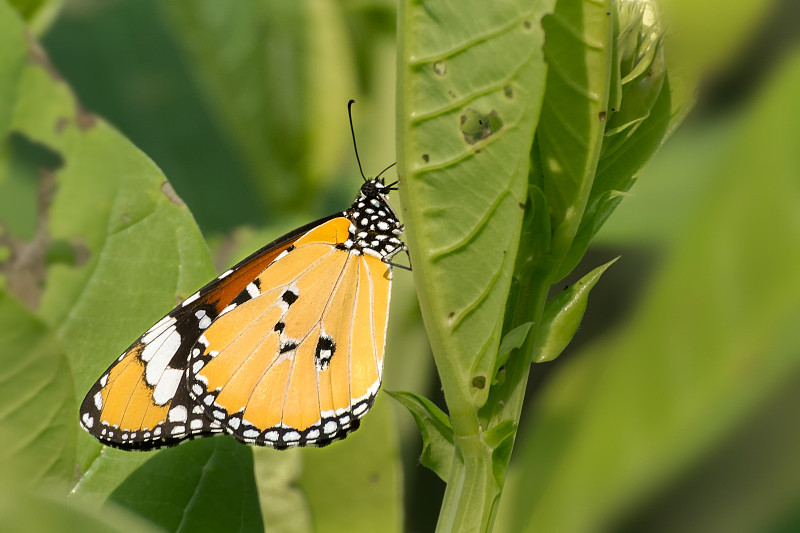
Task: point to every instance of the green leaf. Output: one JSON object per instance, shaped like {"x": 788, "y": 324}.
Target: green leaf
{"x": 637, "y": 119}
{"x": 139, "y": 249}
{"x": 715, "y": 337}
{"x": 37, "y": 399}
{"x": 562, "y": 316}
{"x": 513, "y": 340}
{"x": 500, "y": 439}
{"x": 355, "y": 484}
{"x": 437, "y": 434}
{"x": 38, "y": 14}
{"x": 570, "y": 134}
{"x": 277, "y": 75}
{"x": 21, "y": 510}
{"x": 463, "y": 195}
{"x": 204, "y": 485}
{"x": 107, "y": 468}
{"x": 284, "y": 507}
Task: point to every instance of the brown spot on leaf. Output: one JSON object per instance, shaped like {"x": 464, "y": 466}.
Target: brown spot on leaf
{"x": 170, "y": 193}
{"x": 61, "y": 124}
{"x": 26, "y": 266}
{"x": 426, "y": 157}
{"x": 479, "y": 382}
{"x": 37, "y": 56}
{"x": 602, "y": 116}
{"x": 83, "y": 119}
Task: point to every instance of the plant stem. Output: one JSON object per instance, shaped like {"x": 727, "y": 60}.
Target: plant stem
{"x": 472, "y": 492}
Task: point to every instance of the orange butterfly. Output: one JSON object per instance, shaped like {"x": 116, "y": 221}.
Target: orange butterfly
{"x": 284, "y": 349}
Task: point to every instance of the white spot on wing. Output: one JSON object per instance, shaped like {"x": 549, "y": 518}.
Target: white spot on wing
{"x": 178, "y": 414}
{"x": 88, "y": 421}
{"x": 252, "y": 290}
{"x": 165, "y": 390}
{"x": 157, "y": 329}
{"x": 291, "y": 436}
{"x": 203, "y": 319}
{"x": 158, "y": 356}
{"x": 98, "y": 400}
{"x": 190, "y": 299}
{"x": 225, "y": 274}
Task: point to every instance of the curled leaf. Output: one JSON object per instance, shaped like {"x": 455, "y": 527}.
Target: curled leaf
{"x": 562, "y": 316}
{"x": 437, "y": 434}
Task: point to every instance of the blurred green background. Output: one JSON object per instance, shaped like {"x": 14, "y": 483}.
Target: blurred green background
{"x": 676, "y": 406}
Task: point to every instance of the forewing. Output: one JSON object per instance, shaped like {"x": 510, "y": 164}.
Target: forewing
{"x": 141, "y": 401}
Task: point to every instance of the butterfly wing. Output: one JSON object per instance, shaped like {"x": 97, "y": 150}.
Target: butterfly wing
{"x": 297, "y": 359}
{"x": 141, "y": 401}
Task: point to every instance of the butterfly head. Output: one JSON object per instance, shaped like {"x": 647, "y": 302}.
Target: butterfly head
{"x": 374, "y": 226}
{"x": 375, "y": 188}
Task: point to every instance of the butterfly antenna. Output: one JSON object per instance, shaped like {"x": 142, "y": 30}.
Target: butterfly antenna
{"x": 385, "y": 169}
{"x": 353, "y": 133}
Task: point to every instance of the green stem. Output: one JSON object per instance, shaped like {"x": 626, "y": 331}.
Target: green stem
{"x": 470, "y": 498}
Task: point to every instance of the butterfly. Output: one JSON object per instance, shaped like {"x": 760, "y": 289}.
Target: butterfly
{"x": 284, "y": 349}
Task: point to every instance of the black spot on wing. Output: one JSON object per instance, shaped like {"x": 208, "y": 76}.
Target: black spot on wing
{"x": 288, "y": 346}
{"x": 324, "y": 351}
{"x": 289, "y": 296}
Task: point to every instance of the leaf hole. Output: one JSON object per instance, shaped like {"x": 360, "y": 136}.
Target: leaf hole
{"x": 440, "y": 68}
{"x": 476, "y": 126}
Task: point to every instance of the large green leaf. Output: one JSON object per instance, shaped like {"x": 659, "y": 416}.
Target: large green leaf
{"x": 113, "y": 207}
{"x": 37, "y": 398}
{"x": 463, "y": 165}
{"x": 716, "y": 336}
{"x": 471, "y": 86}
{"x": 138, "y": 249}
{"x": 22, "y": 510}
{"x": 207, "y": 485}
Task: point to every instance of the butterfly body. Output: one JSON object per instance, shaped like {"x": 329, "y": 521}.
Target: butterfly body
{"x": 284, "y": 349}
